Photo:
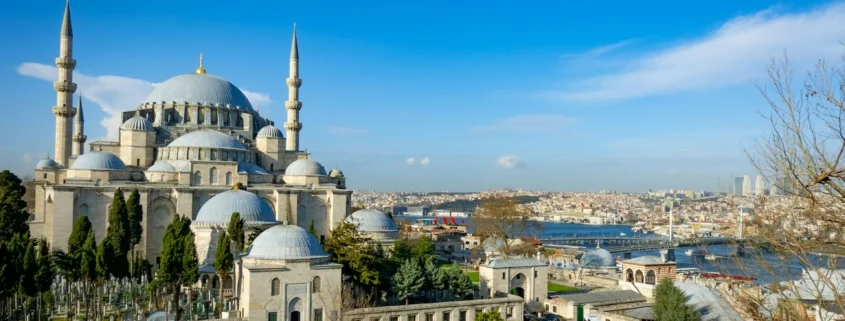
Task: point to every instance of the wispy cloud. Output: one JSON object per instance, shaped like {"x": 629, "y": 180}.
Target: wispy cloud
{"x": 510, "y": 162}
{"x": 601, "y": 50}
{"x": 410, "y": 161}
{"x": 424, "y": 161}
{"x": 734, "y": 53}
{"x": 528, "y": 123}
{"x": 340, "y": 130}
{"x": 114, "y": 94}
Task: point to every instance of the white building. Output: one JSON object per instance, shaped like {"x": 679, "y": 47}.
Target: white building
{"x": 746, "y": 185}
{"x": 524, "y": 277}
{"x": 760, "y": 185}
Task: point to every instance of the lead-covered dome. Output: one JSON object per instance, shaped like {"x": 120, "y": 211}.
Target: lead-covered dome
{"x": 269, "y": 131}
{"x": 253, "y": 209}
{"x": 197, "y": 89}
{"x": 98, "y": 161}
{"x": 597, "y": 258}
{"x": 137, "y": 123}
{"x": 370, "y": 220}
{"x": 161, "y": 166}
{"x": 305, "y": 167}
{"x": 47, "y": 163}
{"x": 208, "y": 139}
{"x": 285, "y": 242}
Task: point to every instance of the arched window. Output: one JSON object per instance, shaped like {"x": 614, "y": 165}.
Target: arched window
{"x": 315, "y": 285}
{"x": 649, "y": 277}
{"x": 187, "y": 153}
{"x": 274, "y": 286}
{"x": 197, "y": 178}
{"x": 213, "y": 155}
{"x": 83, "y": 210}
{"x": 228, "y": 178}
{"x": 638, "y": 277}
{"x": 99, "y": 182}
{"x": 212, "y": 176}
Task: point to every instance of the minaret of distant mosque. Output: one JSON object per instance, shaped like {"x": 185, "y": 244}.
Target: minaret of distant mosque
{"x": 65, "y": 88}
{"x": 293, "y": 105}
{"x": 79, "y": 137}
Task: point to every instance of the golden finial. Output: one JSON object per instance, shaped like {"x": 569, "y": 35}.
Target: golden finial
{"x": 200, "y": 70}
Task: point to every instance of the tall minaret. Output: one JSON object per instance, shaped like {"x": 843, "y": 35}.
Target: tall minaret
{"x": 79, "y": 137}
{"x": 64, "y": 91}
{"x": 293, "y": 105}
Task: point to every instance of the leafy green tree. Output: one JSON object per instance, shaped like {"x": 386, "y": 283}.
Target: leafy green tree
{"x": 423, "y": 249}
{"x": 236, "y": 231}
{"x": 491, "y": 315}
{"x": 252, "y": 235}
{"x": 402, "y": 250}
{"x": 360, "y": 263}
{"x": 435, "y": 278}
{"x": 670, "y": 304}
{"x": 13, "y": 214}
{"x": 87, "y": 258}
{"x": 313, "y": 230}
{"x": 408, "y": 280}
{"x": 459, "y": 284}
{"x": 44, "y": 275}
{"x": 179, "y": 261}
{"x": 27, "y": 285}
{"x": 223, "y": 260}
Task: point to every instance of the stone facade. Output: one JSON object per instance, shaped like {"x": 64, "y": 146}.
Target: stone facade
{"x": 510, "y": 307}
{"x": 524, "y": 277}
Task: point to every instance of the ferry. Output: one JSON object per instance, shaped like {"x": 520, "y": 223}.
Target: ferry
{"x": 695, "y": 252}
{"x": 622, "y": 234}
{"x": 711, "y": 257}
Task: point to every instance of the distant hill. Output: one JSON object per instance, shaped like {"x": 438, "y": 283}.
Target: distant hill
{"x": 470, "y": 205}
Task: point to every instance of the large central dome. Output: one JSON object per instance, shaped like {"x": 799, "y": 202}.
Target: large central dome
{"x": 199, "y": 88}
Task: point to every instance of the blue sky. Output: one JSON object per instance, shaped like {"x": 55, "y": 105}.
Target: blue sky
{"x": 558, "y": 95}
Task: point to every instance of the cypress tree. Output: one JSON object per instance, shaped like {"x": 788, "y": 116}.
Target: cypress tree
{"x": 460, "y": 286}
{"x": 223, "y": 261}
{"x": 118, "y": 238}
{"x": 408, "y": 280}
{"x": 135, "y": 213}
{"x": 179, "y": 261}
{"x": 44, "y": 275}
{"x": 236, "y": 231}
{"x": 13, "y": 214}
{"x": 670, "y": 304}
{"x": 27, "y": 285}
{"x": 313, "y": 230}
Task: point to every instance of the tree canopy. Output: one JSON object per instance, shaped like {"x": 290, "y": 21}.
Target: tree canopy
{"x": 179, "y": 261}
{"x": 670, "y": 304}
{"x": 505, "y": 218}
{"x": 235, "y": 230}
{"x": 356, "y": 253}
{"x": 491, "y": 315}
{"x": 13, "y": 214}
{"x": 408, "y": 280}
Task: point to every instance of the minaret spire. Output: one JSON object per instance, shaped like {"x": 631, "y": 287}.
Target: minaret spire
{"x": 293, "y": 105}
{"x": 64, "y": 86}
{"x": 79, "y": 137}
{"x": 200, "y": 70}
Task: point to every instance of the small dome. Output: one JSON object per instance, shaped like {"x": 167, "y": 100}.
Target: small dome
{"x": 161, "y": 167}
{"x": 98, "y": 161}
{"x": 285, "y": 242}
{"x": 47, "y": 163}
{"x": 207, "y": 138}
{"x": 252, "y": 208}
{"x": 269, "y": 131}
{"x": 369, "y": 220}
{"x": 336, "y": 173}
{"x": 199, "y": 89}
{"x": 305, "y": 167}
{"x": 597, "y": 258}
{"x": 137, "y": 123}
{"x": 249, "y": 168}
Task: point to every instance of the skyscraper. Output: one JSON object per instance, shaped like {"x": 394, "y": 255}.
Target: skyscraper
{"x": 737, "y": 188}
{"x": 746, "y": 185}
{"x": 760, "y": 186}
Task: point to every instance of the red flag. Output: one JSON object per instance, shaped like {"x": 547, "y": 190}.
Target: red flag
{"x": 462, "y": 221}
{"x": 453, "y": 220}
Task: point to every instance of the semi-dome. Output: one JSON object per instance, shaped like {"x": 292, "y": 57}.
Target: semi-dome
{"x": 370, "y": 220}
{"x": 47, "y": 163}
{"x": 219, "y": 209}
{"x": 98, "y": 161}
{"x": 208, "y": 139}
{"x": 597, "y": 258}
{"x": 137, "y": 123}
{"x": 202, "y": 89}
{"x": 269, "y": 131}
{"x": 250, "y": 168}
{"x": 285, "y": 242}
{"x": 305, "y": 167}
{"x": 335, "y": 173}
{"x": 161, "y": 167}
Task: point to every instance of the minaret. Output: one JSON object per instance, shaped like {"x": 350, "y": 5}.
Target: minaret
{"x": 79, "y": 129}
{"x": 65, "y": 88}
{"x": 671, "y": 224}
{"x": 293, "y": 126}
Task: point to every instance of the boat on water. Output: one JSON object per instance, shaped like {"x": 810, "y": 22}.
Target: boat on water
{"x": 622, "y": 234}
{"x": 711, "y": 257}
{"x": 695, "y": 252}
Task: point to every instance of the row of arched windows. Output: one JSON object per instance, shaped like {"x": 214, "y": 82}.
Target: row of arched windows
{"x": 192, "y": 153}
{"x": 212, "y": 177}
{"x": 275, "y": 286}
{"x": 638, "y": 277}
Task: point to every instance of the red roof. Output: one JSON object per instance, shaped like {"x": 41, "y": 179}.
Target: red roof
{"x": 727, "y": 276}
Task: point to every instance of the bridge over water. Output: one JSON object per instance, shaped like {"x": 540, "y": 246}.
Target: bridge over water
{"x": 628, "y": 244}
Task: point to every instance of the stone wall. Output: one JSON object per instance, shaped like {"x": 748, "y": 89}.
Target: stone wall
{"x": 510, "y": 307}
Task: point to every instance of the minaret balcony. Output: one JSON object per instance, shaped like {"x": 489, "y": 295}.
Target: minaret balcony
{"x": 65, "y": 62}
{"x": 294, "y": 82}
{"x": 80, "y": 138}
{"x": 295, "y": 105}
{"x": 64, "y": 111}
{"x": 293, "y": 126}
{"x": 64, "y": 86}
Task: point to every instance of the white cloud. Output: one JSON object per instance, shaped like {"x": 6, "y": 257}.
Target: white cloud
{"x": 601, "y": 50}
{"x": 528, "y": 123}
{"x": 114, "y": 94}
{"x": 509, "y": 162}
{"x": 340, "y": 130}
{"x": 410, "y": 161}
{"x": 734, "y": 53}
{"x": 424, "y": 161}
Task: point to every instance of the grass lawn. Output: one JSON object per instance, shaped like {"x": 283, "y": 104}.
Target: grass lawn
{"x": 554, "y": 287}
{"x": 473, "y": 276}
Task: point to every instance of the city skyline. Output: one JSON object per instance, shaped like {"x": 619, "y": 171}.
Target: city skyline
{"x": 442, "y": 116}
